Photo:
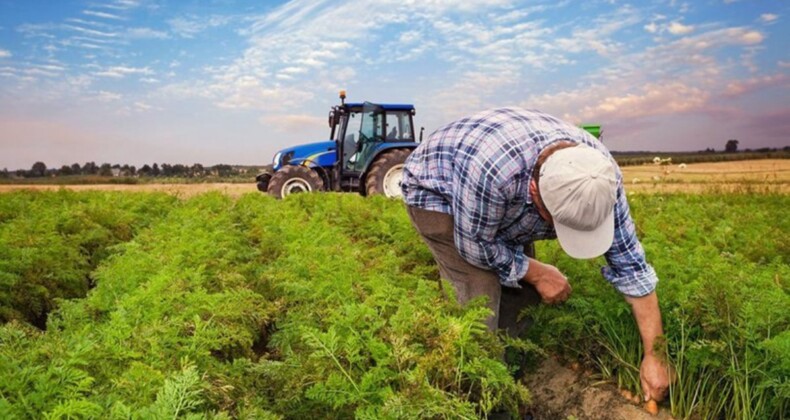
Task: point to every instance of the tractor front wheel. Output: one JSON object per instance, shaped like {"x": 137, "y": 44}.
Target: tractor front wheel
{"x": 263, "y": 182}
{"x": 386, "y": 173}
{"x": 293, "y": 179}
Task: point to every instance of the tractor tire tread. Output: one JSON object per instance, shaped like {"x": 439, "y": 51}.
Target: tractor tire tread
{"x": 289, "y": 172}
{"x": 374, "y": 184}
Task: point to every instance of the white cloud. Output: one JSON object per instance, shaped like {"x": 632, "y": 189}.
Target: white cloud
{"x": 292, "y": 122}
{"x": 677, "y": 28}
{"x": 142, "y": 106}
{"x": 92, "y": 32}
{"x": 146, "y": 33}
{"x": 118, "y": 72}
{"x": 783, "y": 64}
{"x": 5, "y": 53}
{"x": 751, "y": 37}
{"x": 651, "y": 27}
{"x": 41, "y": 30}
{"x": 103, "y": 15}
{"x": 93, "y": 23}
{"x": 611, "y": 103}
{"x": 768, "y": 17}
{"x": 104, "y": 96}
{"x": 118, "y": 4}
{"x": 189, "y": 26}
{"x": 741, "y": 87}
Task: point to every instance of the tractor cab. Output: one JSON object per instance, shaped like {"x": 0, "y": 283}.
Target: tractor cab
{"x": 362, "y": 131}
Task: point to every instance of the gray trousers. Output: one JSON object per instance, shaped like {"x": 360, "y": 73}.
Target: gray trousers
{"x": 470, "y": 281}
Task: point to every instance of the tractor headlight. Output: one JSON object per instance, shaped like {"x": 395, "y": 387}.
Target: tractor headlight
{"x": 276, "y": 159}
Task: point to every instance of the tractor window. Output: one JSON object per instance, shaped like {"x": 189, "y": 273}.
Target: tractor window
{"x": 339, "y": 128}
{"x": 350, "y": 139}
{"x": 371, "y": 129}
{"x": 399, "y": 127}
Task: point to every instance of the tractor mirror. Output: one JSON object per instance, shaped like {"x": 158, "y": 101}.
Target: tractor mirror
{"x": 331, "y": 118}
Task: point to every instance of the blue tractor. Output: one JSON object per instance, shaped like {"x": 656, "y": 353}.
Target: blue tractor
{"x": 368, "y": 147}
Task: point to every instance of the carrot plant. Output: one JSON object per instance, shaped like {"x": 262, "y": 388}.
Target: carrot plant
{"x": 50, "y": 242}
{"x": 723, "y": 261}
{"x": 363, "y": 332}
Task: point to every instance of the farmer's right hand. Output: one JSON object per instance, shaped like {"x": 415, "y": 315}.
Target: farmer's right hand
{"x": 552, "y": 286}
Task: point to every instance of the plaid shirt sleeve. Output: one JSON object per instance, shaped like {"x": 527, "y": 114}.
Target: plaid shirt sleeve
{"x": 479, "y": 204}
{"x": 627, "y": 269}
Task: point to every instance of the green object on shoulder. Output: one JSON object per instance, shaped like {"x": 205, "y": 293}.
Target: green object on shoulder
{"x": 594, "y": 129}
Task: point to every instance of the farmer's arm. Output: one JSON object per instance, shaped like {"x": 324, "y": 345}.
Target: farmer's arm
{"x": 654, "y": 373}
{"x": 630, "y": 273}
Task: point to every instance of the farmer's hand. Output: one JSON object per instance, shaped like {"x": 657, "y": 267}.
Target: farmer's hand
{"x": 552, "y": 286}
{"x": 655, "y": 375}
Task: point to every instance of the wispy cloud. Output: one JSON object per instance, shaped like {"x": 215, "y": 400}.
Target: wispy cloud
{"x": 118, "y": 4}
{"x": 292, "y": 122}
{"x": 31, "y": 30}
{"x": 768, "y": 17}
{"x": 5, "y": 53}
{"x": 88, "y": 31}
{"x": 103, "y": 15}
{"x": 104, "y": 96}
{"x": 742, "y": 87}
{"x": 189, "y": 26}
{"x": 118, "y": 72}
{"x": 146, "y": 33}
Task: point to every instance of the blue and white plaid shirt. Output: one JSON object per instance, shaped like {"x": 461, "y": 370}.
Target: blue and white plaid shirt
{"x": 478, "y": 170}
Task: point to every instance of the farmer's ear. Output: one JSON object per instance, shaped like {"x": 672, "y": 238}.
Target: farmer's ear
{"x": 533, "y": 187}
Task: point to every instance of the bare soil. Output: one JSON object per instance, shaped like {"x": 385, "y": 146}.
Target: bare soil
{"x": 561, "y": 393}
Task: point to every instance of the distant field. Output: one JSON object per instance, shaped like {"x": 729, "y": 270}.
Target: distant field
{"x": 766, "y": 175}
{"x": 763, "y": 175}
{"x": 641, "y": 158}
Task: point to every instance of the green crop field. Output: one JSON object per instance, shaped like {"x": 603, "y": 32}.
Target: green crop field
{"x": 143, "y": 305}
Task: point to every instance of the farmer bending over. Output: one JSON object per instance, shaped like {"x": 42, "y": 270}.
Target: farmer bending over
{"x": 481, "y": 189}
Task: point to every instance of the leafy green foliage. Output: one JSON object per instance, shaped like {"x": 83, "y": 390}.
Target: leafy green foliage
{"x": 259, "y": 308}
{"x": 50, "y": 242}
{"x": 328, "y": 306}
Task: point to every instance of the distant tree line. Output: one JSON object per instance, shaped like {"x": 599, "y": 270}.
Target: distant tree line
{"x": 40, "y": 170}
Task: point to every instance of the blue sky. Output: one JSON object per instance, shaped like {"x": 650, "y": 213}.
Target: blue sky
{"x": 232, "y": 81}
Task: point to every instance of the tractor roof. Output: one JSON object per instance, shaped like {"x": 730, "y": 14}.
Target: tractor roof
{"x": 386, "y": 107}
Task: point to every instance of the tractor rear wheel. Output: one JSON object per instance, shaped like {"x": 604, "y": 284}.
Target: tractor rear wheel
{"x": 293, "y": 179}
{"x": 386, "y": 173}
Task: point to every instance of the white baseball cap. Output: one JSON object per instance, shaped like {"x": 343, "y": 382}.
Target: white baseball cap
{"x": 578, "y": 186}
